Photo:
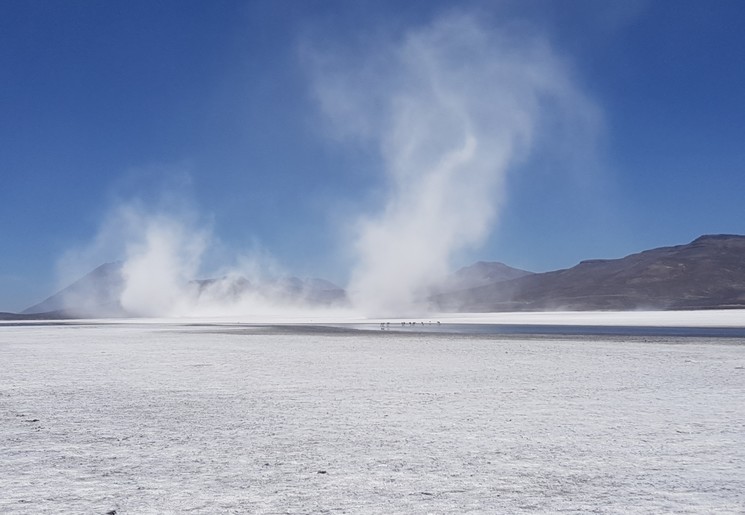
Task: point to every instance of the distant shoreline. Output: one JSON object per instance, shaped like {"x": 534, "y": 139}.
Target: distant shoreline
{"x": 710, "y": 323}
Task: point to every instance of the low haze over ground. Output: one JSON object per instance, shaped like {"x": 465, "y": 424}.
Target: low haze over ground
{"x": 318, "y": 137}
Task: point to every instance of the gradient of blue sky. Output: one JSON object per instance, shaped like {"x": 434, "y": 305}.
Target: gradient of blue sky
{"x": 109, "y": 101}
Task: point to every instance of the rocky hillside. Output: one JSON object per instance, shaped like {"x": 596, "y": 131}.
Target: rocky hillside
{"x": 704, "y": 274}
{"x": 707, "y": 273}
{"x": 481, "y": 273}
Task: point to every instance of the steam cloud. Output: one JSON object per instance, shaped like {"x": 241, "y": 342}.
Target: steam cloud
{"x": 452, "y": 107}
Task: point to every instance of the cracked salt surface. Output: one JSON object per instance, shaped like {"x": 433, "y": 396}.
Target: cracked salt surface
{"x": 166, "y": 419}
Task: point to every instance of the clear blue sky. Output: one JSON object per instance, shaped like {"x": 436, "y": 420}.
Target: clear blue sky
{"x": 104, "y": 102}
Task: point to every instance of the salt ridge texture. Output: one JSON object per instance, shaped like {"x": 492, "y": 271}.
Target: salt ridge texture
{"x": 168, "y": 418}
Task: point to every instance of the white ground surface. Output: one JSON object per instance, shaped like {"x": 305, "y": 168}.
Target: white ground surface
{"x": 166, "y": 419}
{"x": 700, "y": 318}
{"x": 708, "y": 318}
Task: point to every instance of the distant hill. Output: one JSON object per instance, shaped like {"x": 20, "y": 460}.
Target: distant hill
{"x": 481, "y": 273}
{"x": 707, "y": 273}
{"x": 288, "y": 290}
{"x": 98, "y": 294}
{"x": 53, "y": 315}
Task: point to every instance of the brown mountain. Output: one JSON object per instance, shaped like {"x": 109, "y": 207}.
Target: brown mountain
{"x": 707, "y": 273}
{"x": 478, "y": 274}
{"x": 704, "y": 274}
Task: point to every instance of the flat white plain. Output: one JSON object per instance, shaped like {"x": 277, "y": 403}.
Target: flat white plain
{"x": 173, "y": 418}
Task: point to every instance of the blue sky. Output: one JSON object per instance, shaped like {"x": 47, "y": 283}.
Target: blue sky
{"x": 214, "y": 106}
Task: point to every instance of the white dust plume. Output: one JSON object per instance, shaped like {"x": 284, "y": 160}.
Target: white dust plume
{"x": 453, "y": 107}
{"x": 162, "y": 255}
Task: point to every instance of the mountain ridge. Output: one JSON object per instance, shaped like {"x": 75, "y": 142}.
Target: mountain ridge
{"x": 97, "y": 294}
{"x": 707, "y": 273}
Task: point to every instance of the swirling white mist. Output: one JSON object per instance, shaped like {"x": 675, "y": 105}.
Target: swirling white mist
{"x": 162, "y": 251}
{"x": 453, "y": 106}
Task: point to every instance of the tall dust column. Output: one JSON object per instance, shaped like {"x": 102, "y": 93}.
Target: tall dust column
{"x": 452, "y": 107}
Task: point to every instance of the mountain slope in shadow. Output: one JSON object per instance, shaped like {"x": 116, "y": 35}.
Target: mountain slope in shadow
{"x": 707, "y": 273}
